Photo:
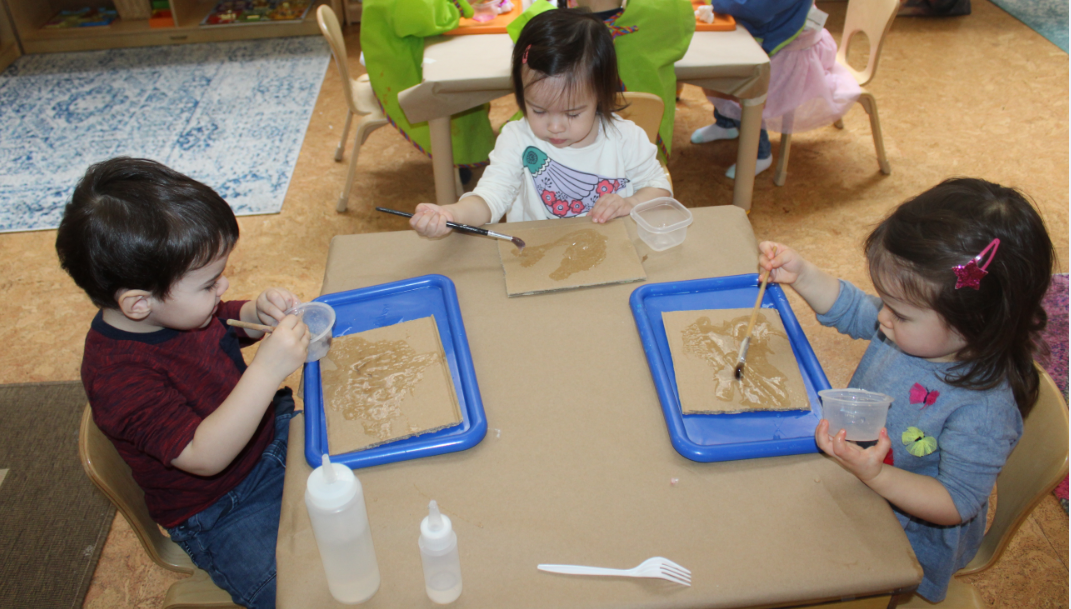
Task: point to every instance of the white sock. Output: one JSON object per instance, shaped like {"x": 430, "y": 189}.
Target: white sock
{"x": 761, "y": 165}
{"x": 713, "y": 133}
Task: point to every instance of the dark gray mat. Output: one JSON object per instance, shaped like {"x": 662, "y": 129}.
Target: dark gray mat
{"x": 53, "y": 521}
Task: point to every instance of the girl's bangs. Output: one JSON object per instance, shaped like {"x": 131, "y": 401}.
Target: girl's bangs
{"x": 900, "y": 279}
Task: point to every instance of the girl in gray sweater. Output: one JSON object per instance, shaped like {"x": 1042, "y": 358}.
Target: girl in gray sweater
{"x": 960, "y": 272}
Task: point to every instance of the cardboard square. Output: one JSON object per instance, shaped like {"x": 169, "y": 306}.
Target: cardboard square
{"x": 567, "y": 254}
{"x": 387, "y": 384}
{"x": 705, "y": 345}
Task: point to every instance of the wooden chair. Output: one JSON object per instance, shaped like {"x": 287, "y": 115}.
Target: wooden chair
{"x": 1035, "y": 467}
{"x": 111, "y": 475}
{"x": 873, "y": 18}
{"x": 645, "y": 109}
{"x": 360, "y": 99}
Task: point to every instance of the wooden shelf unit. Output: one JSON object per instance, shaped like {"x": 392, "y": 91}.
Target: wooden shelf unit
{"x": 9, "y": 45}
{"x": 29, "y": 15}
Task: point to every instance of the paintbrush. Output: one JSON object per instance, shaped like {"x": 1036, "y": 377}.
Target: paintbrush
{"x": 463, "y": 227}
{"x": 741, "y": 358}
{"x": 248, "y": 326}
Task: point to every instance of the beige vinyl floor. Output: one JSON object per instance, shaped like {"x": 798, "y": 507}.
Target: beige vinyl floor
{"x": 980, "y": 96}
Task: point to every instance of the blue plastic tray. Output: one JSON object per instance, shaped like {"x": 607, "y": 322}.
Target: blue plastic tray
{"x": 726, "y": 437}
{"x": 387, "y": 305}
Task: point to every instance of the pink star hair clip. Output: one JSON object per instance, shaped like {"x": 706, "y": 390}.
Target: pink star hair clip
{"x": 970, "y": 275}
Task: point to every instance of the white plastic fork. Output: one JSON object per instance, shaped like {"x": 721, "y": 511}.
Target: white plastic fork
{"x": 656, "y": 566}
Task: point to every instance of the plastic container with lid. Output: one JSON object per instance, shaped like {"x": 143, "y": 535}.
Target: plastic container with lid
{"x": 438, "y": 554}
{"x": 662, "y": 223}
{"x": 335, "y": 501}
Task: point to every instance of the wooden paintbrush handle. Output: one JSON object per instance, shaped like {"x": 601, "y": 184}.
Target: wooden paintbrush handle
{"x": 758, "y": 303}
{"x": 248, "y": 326}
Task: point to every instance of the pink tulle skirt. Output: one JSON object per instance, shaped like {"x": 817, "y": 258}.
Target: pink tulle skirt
{"x": 808, "y": 88}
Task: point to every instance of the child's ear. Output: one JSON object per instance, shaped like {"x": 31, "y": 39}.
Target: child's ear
{"x": 135, "y": 304}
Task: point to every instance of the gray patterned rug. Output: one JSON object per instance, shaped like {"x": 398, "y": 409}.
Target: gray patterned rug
{"x": 232, "y": 115}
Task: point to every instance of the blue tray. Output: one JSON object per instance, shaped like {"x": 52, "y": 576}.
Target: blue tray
{"x": 726, "y": 437}
{"x": 387, "y": 305}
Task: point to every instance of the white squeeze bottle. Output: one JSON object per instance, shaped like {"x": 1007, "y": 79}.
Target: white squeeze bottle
{"x": 336, "y": 507}
{"x": 438, "y": 553}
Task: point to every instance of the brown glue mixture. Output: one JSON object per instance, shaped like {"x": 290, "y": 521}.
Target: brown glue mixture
{"x": 762, "y": 385}
{"x": 381, "y": 375}
{"x": 585, "y": 249}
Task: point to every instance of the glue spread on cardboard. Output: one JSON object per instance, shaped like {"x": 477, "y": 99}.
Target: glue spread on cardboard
{"x": 762, "y": 385}
{"x": 585, "y": 249}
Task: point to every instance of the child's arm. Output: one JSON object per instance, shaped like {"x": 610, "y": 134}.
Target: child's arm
{"x": 786, "y": 266}
{"x": 920, "y": 496}
{"x": 614, "y": 205}
{"x": 429, "y": 220}
{"x": 223, "y": 434}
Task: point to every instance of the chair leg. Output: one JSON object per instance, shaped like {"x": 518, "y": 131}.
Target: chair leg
{"x": 198, "y": 590}
{"x": 782, "y": 159}
{"x": 345, "y": 132}
{"x": 871, "y": 106}
{"x": 365, "y": 126}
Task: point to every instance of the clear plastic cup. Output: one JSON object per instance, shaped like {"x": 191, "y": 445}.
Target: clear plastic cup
{"x": 861, "y": 413}
{"x": 320, "y": 318}
{"x": 484, "y": 11}
{"x": 662, "y": 223}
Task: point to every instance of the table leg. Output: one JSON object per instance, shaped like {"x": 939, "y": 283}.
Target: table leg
{"x": 747, "y": 150}
{"x": 442, "y": 160}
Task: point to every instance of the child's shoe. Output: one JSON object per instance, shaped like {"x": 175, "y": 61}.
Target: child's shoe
{"x": 713, "y": 133}
{"x": 761, "y": 165}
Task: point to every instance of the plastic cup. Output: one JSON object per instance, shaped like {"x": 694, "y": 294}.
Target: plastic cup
{"x": 861, "y": 413}
{"x": 320, "y": 318}
{"x": 662, "y": 223}
{"x": 484, "y": 11}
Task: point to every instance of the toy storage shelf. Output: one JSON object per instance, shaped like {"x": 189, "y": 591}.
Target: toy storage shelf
{"x": 29, "y": 15}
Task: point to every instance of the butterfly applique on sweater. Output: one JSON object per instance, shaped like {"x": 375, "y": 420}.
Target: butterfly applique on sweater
{"x": 566, "y": 192}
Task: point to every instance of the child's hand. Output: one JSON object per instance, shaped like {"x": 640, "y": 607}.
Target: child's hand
{"x": 273, "y": 303}
{"x": 429, "y": 220}
{"x": 609, "y": 207}
{"x": 865, "y": 463}
{"x": 784, "y": 263}
{"x": 285, "y": 349}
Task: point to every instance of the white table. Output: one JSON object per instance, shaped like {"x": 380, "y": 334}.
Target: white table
{"x": 462, "y": 72}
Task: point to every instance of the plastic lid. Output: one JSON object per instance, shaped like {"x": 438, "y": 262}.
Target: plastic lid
{"x": 436, "y": 531}
{"x": 661, "y": 215}
{"x": 332, "y": 485}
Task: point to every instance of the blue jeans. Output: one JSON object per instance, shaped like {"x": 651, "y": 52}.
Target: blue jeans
{"x": 234, "y": 538}
{"x": 765, "y": 150}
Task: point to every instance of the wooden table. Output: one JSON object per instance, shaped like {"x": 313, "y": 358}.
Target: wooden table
{"x": 577, "y": 465}
{"x": 462, "y": 72}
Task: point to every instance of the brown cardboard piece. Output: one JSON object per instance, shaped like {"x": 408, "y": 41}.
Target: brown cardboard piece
{"x": 567, "y": 254}
{"x": 705, "y": 346}
{"x": 387, "y": 384}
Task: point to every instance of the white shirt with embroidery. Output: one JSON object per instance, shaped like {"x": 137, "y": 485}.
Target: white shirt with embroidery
{"x": 530, "y": 179}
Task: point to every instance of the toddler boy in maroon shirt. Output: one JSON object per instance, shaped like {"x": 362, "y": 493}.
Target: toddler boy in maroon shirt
{"x": 204, "y": 435}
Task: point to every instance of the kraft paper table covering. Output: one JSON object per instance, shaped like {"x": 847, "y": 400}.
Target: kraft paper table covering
{"x": 454, "y": 81}
{"x": 577, "y": 463}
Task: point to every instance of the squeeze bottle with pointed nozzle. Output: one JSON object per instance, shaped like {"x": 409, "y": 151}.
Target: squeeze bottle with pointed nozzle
{"x": 438, "y": 553}
{"x": 335, "y": 502}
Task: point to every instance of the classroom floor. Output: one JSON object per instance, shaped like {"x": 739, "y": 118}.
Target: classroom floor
{"x": 981, "y": 95}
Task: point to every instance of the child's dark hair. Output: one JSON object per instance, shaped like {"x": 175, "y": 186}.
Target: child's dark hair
{"x": 570, "y": 43}
{"x": 136, "y": 224}
{"x": 912, "y": 255}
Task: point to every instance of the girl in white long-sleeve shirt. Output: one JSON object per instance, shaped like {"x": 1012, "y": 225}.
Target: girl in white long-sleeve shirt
{"x": 570, "y": 155}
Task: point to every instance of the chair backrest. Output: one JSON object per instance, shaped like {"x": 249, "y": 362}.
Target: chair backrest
{"x": 644, "y": 109}
{"x": 329, "y": 27}
{"x": 873, "y": 18}
{"x": 1035, "y": 467}
{"x": 111, "y": 475}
